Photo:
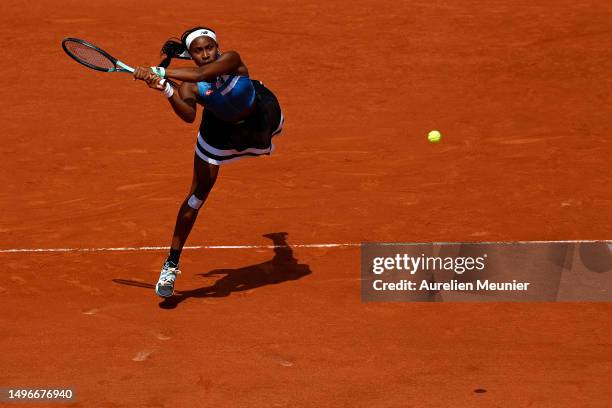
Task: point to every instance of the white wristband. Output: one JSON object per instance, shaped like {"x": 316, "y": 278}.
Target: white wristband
{"x": 168, "y": 89}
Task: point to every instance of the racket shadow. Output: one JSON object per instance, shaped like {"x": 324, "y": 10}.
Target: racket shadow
{"x": 281, "y": 268}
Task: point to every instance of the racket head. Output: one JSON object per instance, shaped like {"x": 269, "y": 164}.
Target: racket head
{"x": 90, "y": 55}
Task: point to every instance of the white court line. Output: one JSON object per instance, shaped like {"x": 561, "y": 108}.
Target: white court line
{"x": 166, "y": 248}
{"x": 332, "y": 245}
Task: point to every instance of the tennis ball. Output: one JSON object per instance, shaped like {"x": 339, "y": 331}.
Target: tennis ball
{"x": 434, "y": 136}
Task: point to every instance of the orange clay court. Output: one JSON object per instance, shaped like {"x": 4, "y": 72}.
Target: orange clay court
{"x": 521, "y": 93}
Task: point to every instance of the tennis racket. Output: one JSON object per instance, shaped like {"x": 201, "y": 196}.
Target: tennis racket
{"x": 93, "y": 57}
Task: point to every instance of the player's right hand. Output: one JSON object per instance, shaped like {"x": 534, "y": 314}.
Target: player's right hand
{"x": 154, "y": 82}
{"x": 141, "y": 73}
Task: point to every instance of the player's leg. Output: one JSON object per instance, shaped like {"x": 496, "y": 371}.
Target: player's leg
{"x": 204, "y": 177}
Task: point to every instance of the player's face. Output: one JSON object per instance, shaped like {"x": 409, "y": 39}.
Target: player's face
{"x": 203, "y": 50}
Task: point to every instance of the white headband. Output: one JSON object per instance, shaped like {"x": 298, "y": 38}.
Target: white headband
{"x": 199, "y": 33}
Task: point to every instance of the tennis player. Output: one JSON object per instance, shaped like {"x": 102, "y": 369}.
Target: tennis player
{"x": 240, "y": 118}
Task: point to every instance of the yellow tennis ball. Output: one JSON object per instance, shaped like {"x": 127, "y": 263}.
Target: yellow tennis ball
{"x": 434, "y": 136}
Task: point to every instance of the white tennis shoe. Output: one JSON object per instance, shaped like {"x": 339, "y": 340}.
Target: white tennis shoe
{"x": 167, "y": 277}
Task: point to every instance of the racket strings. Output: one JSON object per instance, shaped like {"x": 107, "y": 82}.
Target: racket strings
{"x": 89, "y": 55}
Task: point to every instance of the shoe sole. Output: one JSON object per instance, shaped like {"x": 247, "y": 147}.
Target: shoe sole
{"x": 164, "y": 291}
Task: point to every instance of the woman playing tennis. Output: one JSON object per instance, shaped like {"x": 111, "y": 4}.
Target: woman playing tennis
{"x": 240, "y": 117}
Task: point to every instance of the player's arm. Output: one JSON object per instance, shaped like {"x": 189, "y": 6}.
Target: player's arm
{"x": 183, "y": 100}
{"x": 227, "y": 63}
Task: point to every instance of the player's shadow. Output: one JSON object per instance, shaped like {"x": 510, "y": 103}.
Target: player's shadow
{"x": 282, "y": 267}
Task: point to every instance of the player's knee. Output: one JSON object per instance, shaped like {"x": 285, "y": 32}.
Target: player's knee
{"x": 194, "y": 202}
